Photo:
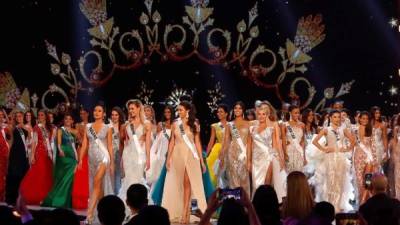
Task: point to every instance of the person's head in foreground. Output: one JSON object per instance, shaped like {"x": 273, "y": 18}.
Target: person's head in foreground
{"x": 136, "y": 197}
{"x": 153, "y": 215}
{"x": 111, "y": 210}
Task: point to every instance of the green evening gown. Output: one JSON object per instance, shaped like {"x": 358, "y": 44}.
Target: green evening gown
{"x": 60, "y": 195}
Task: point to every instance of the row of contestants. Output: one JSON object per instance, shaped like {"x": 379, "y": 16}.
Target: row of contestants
{"x": 257, "y": 147}
{"x": 337, "y": 155}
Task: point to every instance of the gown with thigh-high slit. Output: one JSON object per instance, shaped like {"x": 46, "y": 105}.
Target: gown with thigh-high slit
{"x": 98, "y": 157}
{"x": 183, "y": 160}
{"x": 262, "y": 154}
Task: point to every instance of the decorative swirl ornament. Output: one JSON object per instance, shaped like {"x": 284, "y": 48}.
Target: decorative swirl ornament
{"x": 53, "y": 89}
{"x": 171, "y": 42}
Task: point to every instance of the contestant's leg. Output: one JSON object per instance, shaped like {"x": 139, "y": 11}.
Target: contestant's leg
{"x": 97, "y": 192}
{"x": 268, "y": 177}
{"x": 186, "y": 198}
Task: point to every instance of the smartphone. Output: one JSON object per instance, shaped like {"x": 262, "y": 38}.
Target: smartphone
{"x": 228, "y": 193}
{"x": 194, "y": 207}
{"x": 368, "y": 180}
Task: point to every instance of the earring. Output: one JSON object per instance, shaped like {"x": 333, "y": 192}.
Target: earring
{"x": 187, "y": 115}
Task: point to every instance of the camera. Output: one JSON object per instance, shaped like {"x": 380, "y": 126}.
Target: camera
{"x": 368, "y": 180}
{"x": 194, "y": 206}
{"x": 229, "y": 193}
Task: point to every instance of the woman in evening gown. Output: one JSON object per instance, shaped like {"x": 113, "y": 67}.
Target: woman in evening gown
{"x": 80, "y": 187}
{"x": 379, "y": 137}
{"x": 29, "y": 123}
{"x": 100, "y": 160}
{"x": 114, "y": 138}
{"x": 18, "y": 163}
{"x": 137, "y": 139}
{"x": 395, "y": 158}
{"x": 233, "y": 154}
{"x": 333, "y": 179}
{"x": 158, "y": 153}
{"x": 5, "y": 135}
{"x": 363, "y": 155}
{"x": 215, "y": 143}
{"x": 264, "y": 150}
{"x": 39, "y": 179}
{"x": 185, "y": 165}
{"x": 293, "y": 141}
{"x": 66, "y": 161}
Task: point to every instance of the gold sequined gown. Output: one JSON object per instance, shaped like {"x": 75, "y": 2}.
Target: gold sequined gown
{"x": 236, "y": 170}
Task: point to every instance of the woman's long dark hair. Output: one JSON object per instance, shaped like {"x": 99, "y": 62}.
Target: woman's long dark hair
{"x": 266, "y": 204}
{"x": 373, "y": 111}
{"x": 33, "y": 118}
{"x": 304, "y": 118}
{"x": 121, "y": 114}
{"x": 49, "y": 126}
{"x": 192, "y": 115}
{"x": 368, "y": 127}
{"x": 171, "y": 109}
{"x": 232, "y": 116}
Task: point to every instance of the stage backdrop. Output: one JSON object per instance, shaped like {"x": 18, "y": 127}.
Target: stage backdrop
{"x": 309, "y": 51}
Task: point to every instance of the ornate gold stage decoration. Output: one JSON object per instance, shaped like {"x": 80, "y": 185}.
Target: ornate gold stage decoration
{"x": 215, "y": 96}
{"x": 175, "y": 97}
{"x": 145, "y": 94}
{"x": 179, "y": 42}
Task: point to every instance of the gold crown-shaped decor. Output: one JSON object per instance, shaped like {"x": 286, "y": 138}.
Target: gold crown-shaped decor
{"x": 172, "y": 43}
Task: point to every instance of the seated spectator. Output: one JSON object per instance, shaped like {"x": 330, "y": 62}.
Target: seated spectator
{"x": 325, "y": 211}
{"x": 322, "y": 214}
{"x": 136, "y": 199}
{"x": 233, "y": 212}
{"x": 380, "y": 208}
{"x": 152, "y": 215}
{"x": 265, "y": 202}
{"x": 111, "y": 210}
{"x": 299, "y": 202}
{"x": 62, "y": 216}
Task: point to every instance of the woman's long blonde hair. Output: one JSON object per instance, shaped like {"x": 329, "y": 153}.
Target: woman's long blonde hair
{"x": 272, "y": 112}
{"x": 299, "y": 200}
{"x": 138, "y": 104}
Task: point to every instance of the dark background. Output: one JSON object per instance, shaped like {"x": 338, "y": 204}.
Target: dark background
{"x": 360, "y": 45}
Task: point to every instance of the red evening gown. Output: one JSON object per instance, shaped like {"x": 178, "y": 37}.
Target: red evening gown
{"x": 38, "y": 180}
{"x": 4, "y": 150}
{"x": 80, "y": 187}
